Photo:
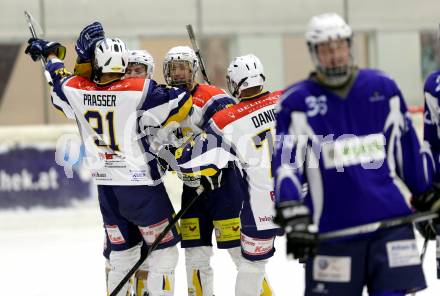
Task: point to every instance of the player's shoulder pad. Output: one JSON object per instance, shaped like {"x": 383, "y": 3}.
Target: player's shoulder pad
{"x": 381, "y": 81}
{"x": 242, "y": 109}
{"x": 205, "y": 92}
{"x": 376, "y": 75}
{"x": 164, "y": 92}
{"x": 294, "y": 96}
{"x": 130, "y": 84}
{"x": 80, "y": 82}
{"x": 432, "y": 83}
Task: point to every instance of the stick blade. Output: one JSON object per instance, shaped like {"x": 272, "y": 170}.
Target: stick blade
{"x": 35, "y": 24}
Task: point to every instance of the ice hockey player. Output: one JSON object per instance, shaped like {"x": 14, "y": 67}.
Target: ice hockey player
{"x": 243, "y": 135}
{"x": 346, "y": 132}
{"x": 432, "y": 136}
{"x": 110, "y": 113}
{"x": 216, "y": 209}
{"x": 140, "y": 64}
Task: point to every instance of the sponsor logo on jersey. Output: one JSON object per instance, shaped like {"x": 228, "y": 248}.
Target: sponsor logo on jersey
{"x": 272, "y": 196}
{"x": 190, "y": 228}
{"x": 376, "y": 97}
{"x": 99, "y": 175}
{"x": 255, "y": 246}
{"x": 150, "y": 233}
{"x": 335, "y": 269}
{"x": 402, "y": 253}
{"x": 244, "y": 108}
{"x": 114, "y": 234}
{"x": 265, "y": 219}
{"x": 227, "y": 230}
{"x": 369, "y": 151}
{"x": 136, "y": 175}
{"x": 106, "y": 156}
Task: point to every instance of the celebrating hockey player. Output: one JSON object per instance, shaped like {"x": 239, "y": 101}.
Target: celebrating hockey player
{"x": 133, "y": 201}
{"x": 217, "y": 209}
{"x": 346, "y": 132}
{"x": 242, "y": 135}
{"x": 140, "y": 64}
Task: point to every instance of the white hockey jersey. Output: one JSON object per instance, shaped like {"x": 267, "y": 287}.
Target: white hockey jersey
{"x": 244, "y": 134}
{"x": 112, "y": 120}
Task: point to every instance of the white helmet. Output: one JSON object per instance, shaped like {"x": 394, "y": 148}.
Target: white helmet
{"x": 142, "y": 57}
{"x": 180, "y": 53}
{"x": 244, "y": 72}
{"x": 324, "y": 28}
{"x": 111, "y": 56}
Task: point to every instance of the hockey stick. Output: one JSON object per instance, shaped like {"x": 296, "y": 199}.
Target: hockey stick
{"x": 374, "y": 226}
{"x": 30, "y": 20}
{"x": 192, "y": 37}
{"x": 145, "y": 254}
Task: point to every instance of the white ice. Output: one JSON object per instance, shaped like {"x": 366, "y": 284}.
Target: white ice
{"x": 58, "y": 252}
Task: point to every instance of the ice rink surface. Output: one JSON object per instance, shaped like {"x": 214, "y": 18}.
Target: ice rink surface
{"x": 58, "y": 252}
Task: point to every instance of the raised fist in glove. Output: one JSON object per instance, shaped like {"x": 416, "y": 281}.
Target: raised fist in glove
{"x": 38, "y": 48}
{"x": 294, "y": 217}
{"x": 87, "y": 39}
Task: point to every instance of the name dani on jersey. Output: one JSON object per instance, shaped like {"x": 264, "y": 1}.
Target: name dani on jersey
{"x": 263, "y": 117}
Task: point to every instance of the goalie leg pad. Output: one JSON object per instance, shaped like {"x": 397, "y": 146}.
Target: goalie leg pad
{"x": 199, "y": 274}
{"x": 252, "y": 279}
{"x": 121, "y": 262}
{"x": 156, "y": 275}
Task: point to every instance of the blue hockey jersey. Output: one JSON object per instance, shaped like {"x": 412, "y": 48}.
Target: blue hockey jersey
{"x": 359, "y": 155}
{"x": 431, "y": 129}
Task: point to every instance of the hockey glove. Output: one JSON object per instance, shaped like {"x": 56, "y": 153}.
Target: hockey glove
{"x": 427, "y": 201}
{"x": 87, "y": 39}
{"x": 426, "y": 229}
{"x": 294, "y": 217}
{"x": 57, "y": 70}
{"x": 210, "y": 183}
{"x": 39, "y": 48}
